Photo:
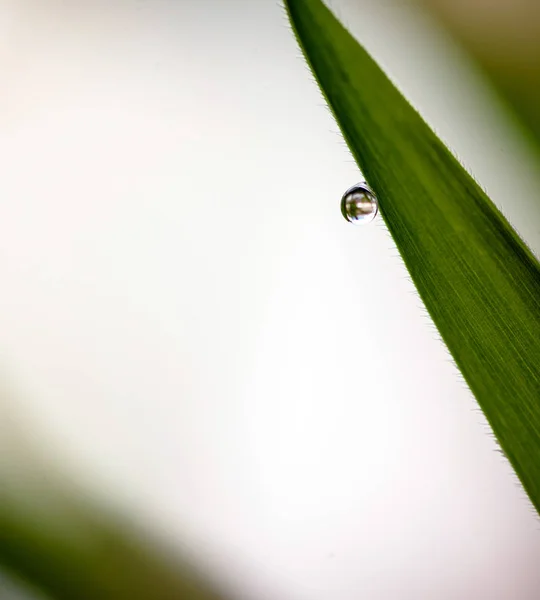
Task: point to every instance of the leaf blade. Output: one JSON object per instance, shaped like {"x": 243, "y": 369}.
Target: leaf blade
{"x": 478, "y": 279}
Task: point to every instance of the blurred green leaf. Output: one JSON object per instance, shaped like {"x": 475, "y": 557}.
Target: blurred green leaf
{"x": 478, "y": 280}
{"x": 73, "y": 550}
{"x": 503, "y": 37}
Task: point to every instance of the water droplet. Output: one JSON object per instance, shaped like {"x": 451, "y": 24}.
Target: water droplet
{"x": 359, "y": 204}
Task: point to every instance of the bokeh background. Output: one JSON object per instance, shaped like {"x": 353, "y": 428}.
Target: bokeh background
{"x": 192, "y": 332}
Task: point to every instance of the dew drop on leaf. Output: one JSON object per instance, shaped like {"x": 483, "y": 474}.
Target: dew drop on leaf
{"x": 359, "y": 204}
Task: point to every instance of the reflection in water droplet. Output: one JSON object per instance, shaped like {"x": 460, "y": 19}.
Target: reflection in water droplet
{"x": 359, "y": 204}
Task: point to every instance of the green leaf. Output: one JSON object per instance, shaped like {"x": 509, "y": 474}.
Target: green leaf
{"x": 478, "y": 280}
{"x": 73, "y": 550}
{"x": 506, "y": 46}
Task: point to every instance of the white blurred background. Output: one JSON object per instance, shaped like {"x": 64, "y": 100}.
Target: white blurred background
{"x": 191, "y": 330}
